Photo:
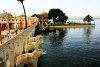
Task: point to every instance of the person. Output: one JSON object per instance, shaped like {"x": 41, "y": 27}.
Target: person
{"x": 21, "y": 25}
{"x": 9, "y": 33}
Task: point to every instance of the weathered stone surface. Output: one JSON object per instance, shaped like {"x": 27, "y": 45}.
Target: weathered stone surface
{"x": 14, "y": 47}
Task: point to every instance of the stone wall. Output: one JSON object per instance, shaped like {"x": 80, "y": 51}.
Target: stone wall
{"x": 15, "y": 46}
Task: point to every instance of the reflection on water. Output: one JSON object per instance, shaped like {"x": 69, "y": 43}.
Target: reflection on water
{"x": 87, "y": 34}
{"x": 71, "y": 47}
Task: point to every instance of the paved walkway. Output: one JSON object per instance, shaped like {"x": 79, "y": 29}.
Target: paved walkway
{"x": 5, "y": 37}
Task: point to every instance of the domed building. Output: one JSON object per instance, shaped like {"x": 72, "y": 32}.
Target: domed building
{"x": 5, "y": 16}
{"x": 43, "y": 16}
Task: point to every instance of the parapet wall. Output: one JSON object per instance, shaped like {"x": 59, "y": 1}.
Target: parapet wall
{"x": 15, "y": 46}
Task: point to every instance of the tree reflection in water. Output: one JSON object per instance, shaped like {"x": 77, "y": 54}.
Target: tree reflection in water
{"x": 88, "y": 34}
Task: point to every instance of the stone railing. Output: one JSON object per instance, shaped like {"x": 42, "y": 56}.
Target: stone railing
{"x": 15, "y": 46}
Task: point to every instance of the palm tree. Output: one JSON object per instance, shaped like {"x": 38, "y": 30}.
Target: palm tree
{"x": 88, "y": 18}
{"x": 24, "y": 12}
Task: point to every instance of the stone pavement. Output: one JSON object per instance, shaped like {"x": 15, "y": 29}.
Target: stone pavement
{"x": 5, "y": 36}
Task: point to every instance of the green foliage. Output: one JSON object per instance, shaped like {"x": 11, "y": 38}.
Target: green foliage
{"x": 20, "y": 0}
{"x": 57, "y": 15}
{"x": 35, "y": 15}
{"x": 63, "y": 18}
{"x": 88, "y": 18}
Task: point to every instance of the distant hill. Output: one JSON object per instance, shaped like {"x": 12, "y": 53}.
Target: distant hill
{"x": 97, "y": 18}
{"x": 74, "y": 17}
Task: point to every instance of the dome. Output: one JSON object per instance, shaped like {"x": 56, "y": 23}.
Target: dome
{"x": 5, "y": 14}
{"x": 43, "y": 11}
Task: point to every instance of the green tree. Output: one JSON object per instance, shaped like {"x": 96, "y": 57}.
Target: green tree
{"x": 35, "y": 15}
{"x": 24, "y": 12}
{"x": 52, "y": 15}
{"x": 63, "y": 18}
{"x": 57, "y": 15}
{"x": 88, "y": 18}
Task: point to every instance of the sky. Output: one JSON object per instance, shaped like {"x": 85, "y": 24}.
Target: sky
{"x": 70, "y": 7}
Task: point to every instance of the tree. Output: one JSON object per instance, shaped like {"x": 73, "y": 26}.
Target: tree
{"x": 57, "y": 15}
{"x": 64, "y": 18}
{"x": 24, "y": 12}
{"x": 52, "y": 15}
{"x": 35, "y": 15}
{"x": 88, "y": 18}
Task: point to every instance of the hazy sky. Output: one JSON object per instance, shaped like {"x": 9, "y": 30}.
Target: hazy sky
{"x": 70, "y": 7}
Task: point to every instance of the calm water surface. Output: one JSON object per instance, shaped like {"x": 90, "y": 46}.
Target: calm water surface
{"x": 72, "y": 47}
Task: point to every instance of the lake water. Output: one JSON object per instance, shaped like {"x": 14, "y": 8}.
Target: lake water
{"x": 72, "y": 47}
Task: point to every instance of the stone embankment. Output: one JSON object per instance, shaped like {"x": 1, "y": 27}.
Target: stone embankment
{"x": 70, "y": 26}
{"x": 19, "y": 46}
{"x": 32, "y": 57}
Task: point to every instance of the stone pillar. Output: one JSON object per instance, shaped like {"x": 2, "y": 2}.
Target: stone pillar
{"x": 11, "y": 55}
{"x": 17, "y": 49}
{"x": 35, "y": 62}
